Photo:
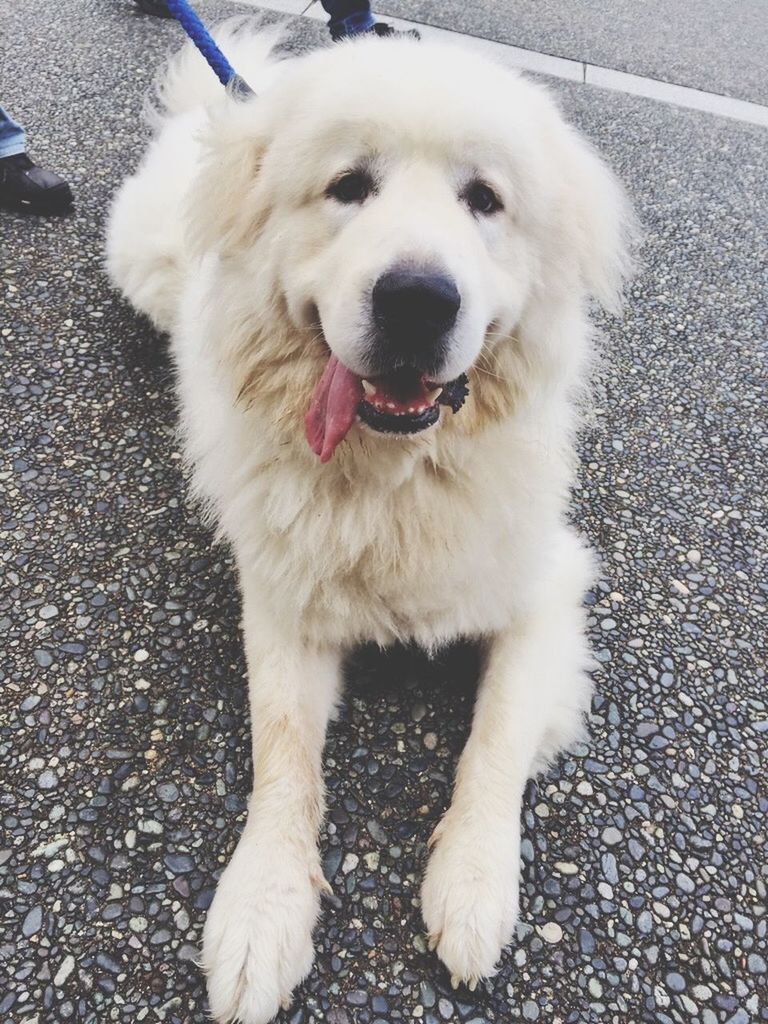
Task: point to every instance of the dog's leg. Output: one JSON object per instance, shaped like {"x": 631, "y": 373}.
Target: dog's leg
{"x": 530, "y": 704}
{"x": 258, "y": 936}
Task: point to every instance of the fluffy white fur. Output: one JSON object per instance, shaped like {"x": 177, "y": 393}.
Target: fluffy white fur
{"x": 226, "y": 239}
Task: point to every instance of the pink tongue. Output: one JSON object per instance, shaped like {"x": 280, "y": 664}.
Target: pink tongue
{"x": 333, "y": 408}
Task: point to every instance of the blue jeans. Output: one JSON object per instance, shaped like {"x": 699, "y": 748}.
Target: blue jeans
{"x": 11, "y": 136}
{"x": 349, "y": 16}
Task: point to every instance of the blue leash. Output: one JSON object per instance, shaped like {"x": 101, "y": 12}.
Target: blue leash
{"x": 203, "y": 40}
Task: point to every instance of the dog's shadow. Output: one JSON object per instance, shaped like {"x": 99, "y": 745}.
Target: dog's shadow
{"x": 392, "y": 756}
{"x": 401, "y": 727}
{"x": 451, "y": 673}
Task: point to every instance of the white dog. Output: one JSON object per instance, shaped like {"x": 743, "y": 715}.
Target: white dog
{"x": 375, "y": 275}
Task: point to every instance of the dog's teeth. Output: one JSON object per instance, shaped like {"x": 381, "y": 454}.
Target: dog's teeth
{"x": 391, "y": 405}
{"x": 433, "y": 395}
{"x": 369, "y": 388}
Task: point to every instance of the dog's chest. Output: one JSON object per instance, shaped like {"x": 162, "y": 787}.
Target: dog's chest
{"x": 426, "y": 560}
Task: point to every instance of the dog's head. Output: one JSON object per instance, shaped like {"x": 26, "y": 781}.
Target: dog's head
{"x": 396, "y": 213}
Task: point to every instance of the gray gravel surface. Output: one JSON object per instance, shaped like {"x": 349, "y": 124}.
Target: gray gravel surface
{"x": 123, "y": 729}
{"x": 715, "y": 45}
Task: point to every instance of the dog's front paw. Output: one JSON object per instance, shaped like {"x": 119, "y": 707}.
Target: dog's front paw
{"x": 469, "y": 898}
{"x": 257, "y": 944}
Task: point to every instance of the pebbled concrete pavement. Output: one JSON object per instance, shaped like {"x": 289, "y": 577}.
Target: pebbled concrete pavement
{"x": 123, "y": 733}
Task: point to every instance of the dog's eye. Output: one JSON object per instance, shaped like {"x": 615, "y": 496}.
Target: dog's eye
{"x": 481, "y": 198}
{"x": 352, "y": 187}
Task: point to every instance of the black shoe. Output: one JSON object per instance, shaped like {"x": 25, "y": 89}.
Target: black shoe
{"x": 379, "y": 28}
{"x": 157, "y": 7}
{"x": 24, "y": 184}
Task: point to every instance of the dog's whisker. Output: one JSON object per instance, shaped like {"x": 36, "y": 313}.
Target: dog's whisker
{"x": 490, "y": 373}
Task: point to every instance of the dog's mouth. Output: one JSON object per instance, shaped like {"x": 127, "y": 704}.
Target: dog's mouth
{"x": 401, "y": 402}
{"x": 406, "y": 402}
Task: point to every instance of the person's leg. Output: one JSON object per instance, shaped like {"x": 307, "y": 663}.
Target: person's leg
{"x": 22, "y": 183}
{"x": 348, "y": 17}
{"x": 12, "y": 139}
{"x": 354, "y": 18}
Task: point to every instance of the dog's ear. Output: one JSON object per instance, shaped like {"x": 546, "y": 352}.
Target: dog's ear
{"x": 227, "y": 205}
{"x": 596, "y": 222}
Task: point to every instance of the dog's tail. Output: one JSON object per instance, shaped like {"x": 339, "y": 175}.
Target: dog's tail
{"x": 186, "y": 82}
{"x": 147, "y": 252}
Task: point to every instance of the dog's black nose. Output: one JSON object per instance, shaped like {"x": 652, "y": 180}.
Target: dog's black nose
{"x": 413, "y": 310}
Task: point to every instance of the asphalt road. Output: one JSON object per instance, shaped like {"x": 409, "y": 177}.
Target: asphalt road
{"x": 124, "y": 741}
{"x": 715, "y": 45}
